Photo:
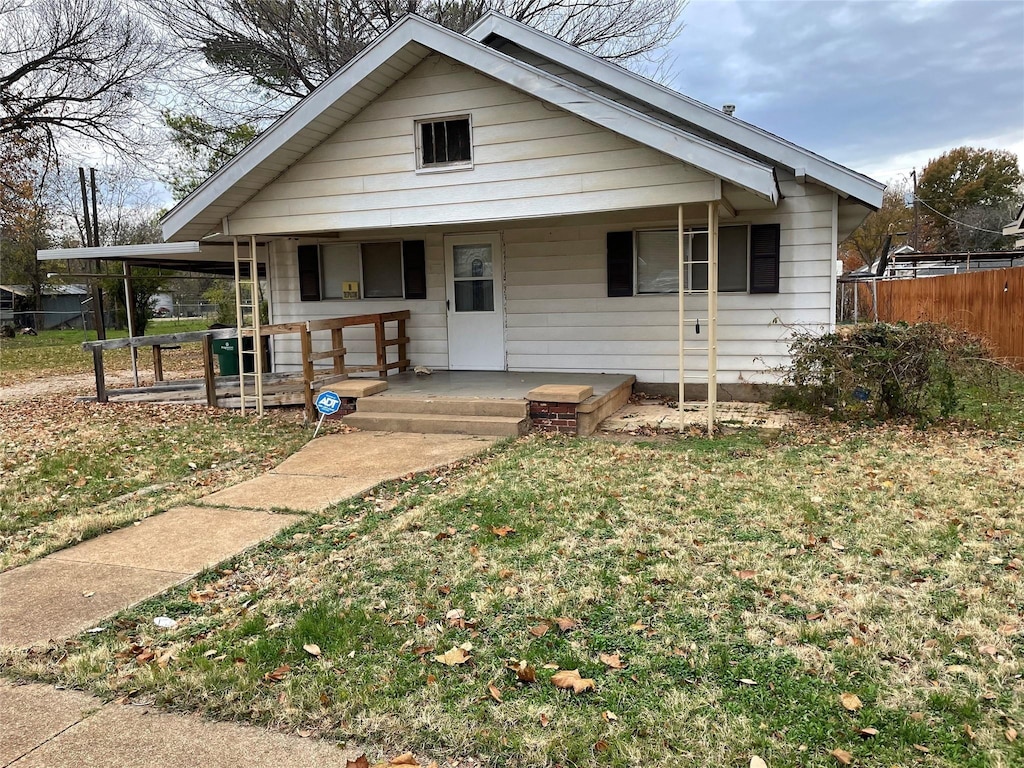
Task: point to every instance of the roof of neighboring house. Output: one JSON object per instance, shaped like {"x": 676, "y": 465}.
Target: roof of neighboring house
{"x": 47, "y": 290}
{"x": 1016, "y": 227}
{"x": 655, "y": 116}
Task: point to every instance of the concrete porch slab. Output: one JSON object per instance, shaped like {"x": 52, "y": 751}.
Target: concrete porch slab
{"x": 170, "y": 541}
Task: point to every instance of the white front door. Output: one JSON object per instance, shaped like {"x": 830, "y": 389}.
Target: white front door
{"x": 476, "y": 311}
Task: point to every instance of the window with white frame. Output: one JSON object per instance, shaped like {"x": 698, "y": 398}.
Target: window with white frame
{"x": 657, "y": 260}
{"x": 444, "y": 143}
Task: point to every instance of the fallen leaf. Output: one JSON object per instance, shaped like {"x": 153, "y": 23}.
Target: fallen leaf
{"x": 539, "y": 631}
{"x": 431, "y": 679}
{"x": 502, "y": 530}
{"x": 359, "y": 762}
{"x": 524, "y": 672}
{"x": 744, "y": 574}
{"x": 969, "y": 731}
{"x": 917, "y": 716}
{"x": 989, "y": 650}
{"x": 638, "y": 626}
{"x": 922, "y": 748}
{"x": 544, "y": 720}
{"x": 565, "y": 623}
{"x": 80, "y": 482}
{"x": 747, "y": 681}
{"x": 278, "y": 674}
{"x": 842, "y": 756}
{"x": 453, "y": 657}
{"x": 814, "y": 616}
{"x": 571, "y": 679}
{"x": 505, "y": 573}
{"x": 405, "y": 758}
{"x": 757, "y": 762}
{"x": 851, "y": 701}
{"x": 495, "y": 692}
{"x": 601, "y": 746}
{"x": 1011, "y": 735}
{"x": 608, "y": 716}
{"x": 867, "y": 732}
{"x": 612, "y": 660}
{"x": 312, "y": 649}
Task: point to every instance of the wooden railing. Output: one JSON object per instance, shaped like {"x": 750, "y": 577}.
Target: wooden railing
{"x": 310, "y": 373}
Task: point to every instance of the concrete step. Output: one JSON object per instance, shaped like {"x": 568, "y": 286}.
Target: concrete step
{"x": 437, "y": 423}
{"x": 453, "y": 406}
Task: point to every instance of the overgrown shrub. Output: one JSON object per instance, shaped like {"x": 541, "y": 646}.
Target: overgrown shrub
{"x": 884, "y": 371}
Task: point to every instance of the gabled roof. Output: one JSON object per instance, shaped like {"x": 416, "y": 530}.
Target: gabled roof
{"x": 493, "y": 27}
{"x": 386, "y": 60}
{"x": 1016, "y": 227}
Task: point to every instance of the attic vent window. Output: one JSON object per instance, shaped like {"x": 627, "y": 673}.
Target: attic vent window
{"x": 444, "y": 143}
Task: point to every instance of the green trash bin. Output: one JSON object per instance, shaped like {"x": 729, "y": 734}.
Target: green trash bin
{"x": 226, "y": 351}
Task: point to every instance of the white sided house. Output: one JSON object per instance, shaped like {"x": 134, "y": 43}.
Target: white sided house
{"x": 532, "y": 207}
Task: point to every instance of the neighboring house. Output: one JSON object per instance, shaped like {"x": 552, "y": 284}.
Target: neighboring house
{"x": 1016, "y": 227}
{"x": 525, "y": 201}
{"x": 61, "y": 306}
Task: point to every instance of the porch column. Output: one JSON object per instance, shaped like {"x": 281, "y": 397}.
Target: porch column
{"x": 682, "y": 305}
{"x": 712, "y": 314}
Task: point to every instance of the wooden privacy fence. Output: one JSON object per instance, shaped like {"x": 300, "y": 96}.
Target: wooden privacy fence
{"x": 313, "y": 378}
{"x": 989, "y": 303}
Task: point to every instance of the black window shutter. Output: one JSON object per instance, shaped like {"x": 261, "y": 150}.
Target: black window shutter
{"x": 414, "y": 265}
{"x": 765, "y": 242}
{"x": 620, "y": 263}
{"x": 309, "y": 272}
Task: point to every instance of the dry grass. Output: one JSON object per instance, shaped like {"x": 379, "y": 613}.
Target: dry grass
{"x": 744, "y": 586}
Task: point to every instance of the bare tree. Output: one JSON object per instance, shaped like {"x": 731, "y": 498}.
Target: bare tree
{"x": 75, "y": 67}
{"x": 288, "y": 47}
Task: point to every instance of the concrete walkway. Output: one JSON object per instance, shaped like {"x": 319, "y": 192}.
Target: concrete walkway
{"x": 42, "y": 726}
{"x": 77, "y": 588}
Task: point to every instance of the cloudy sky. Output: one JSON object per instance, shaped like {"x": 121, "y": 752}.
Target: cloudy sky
{"x": 878, "y": 86}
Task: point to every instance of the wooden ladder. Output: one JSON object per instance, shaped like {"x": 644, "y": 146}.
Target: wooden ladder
{"x": 247, "y": 314}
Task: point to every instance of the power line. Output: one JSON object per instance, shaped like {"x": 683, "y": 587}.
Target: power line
{"x": 960, "y": 223}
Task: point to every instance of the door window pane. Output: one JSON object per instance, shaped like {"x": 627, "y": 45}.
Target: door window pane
{"x": 474, "y": 295}
{"x": 473, "y": 261}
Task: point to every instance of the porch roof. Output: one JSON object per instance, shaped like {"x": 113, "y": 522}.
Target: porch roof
{"x": 343, "y": 95}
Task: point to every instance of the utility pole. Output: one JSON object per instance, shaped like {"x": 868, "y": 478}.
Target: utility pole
{"x": 92, "y": 232}
{"x": 913, "y": 175}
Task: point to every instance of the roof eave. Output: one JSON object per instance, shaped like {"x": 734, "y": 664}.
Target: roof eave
{"x": 834, "y": 176}
{"x": 705, "y": 155}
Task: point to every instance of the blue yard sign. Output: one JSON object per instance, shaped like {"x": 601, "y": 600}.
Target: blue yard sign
{"x": 327, "y": 403}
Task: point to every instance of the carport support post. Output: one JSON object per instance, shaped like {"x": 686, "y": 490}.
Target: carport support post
{"x": 208, "y": 376}
{"x": 101, "y": 381}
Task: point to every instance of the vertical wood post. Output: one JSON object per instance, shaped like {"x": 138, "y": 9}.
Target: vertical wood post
{"x": 307, "y": 370}
{"x": 101, "y": 381}
{"x": 401, "y": 345}
{"x": 382, "y": 355}
{"x": 211, "y": 383}
{"x": 338, "y": 342}
{"x": 158, "y": 363}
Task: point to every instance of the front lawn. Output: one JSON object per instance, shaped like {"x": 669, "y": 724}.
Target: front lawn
{"x": 832, "y": 595}
{"x": 72, "y": 470}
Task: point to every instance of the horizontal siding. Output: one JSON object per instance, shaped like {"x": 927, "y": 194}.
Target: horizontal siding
{"x": 559, "y": 318}
{"x": 529, "y": 161}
